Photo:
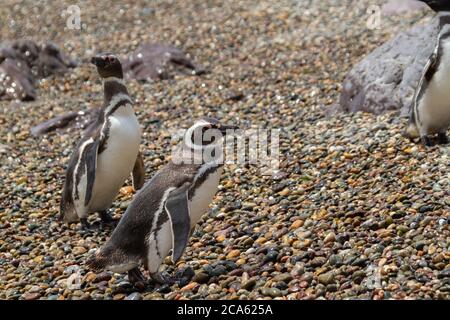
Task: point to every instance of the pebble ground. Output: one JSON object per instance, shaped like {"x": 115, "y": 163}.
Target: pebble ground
{"x": 356, "y": 212}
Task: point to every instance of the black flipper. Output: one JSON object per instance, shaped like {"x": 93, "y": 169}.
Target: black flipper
{"x": 177, "y": 209}
{"x": 138, "y": 174}
{"x": 91, "y": 151}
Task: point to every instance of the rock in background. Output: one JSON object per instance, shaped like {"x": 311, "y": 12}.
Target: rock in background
{"x": 154, "y": 60}
{"x": 395, "y": 7}
{"x": 151, "y": 61}
{"x": 386, "y": 79}
{"x": 22, "y": 62}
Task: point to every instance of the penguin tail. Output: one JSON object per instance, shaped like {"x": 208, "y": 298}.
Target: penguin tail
{"x": 112, "y": 259}
{"x": 98, "y": 261}
{"x": 412, "y": 131}
{"x": 67, "y": 211}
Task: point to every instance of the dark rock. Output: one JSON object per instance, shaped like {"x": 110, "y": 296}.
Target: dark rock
{"x": 360, "y": 262}
{"x": 201, "y": 277}
{"x": 236, "y": 272}
{"x": 15, "y": 263}
{"x": 153, "y": 60}
{"x": 22, "y": 62}
{"x": 249, "y": 284}
{"x": 341, "y": 238}
{"x": 229, "y": 265}
{"x": 271, "y": 256}
{"x": 104, "y": 276}
{"x": 165, "y": 288}
{"x": 419, "y": 245}
{"x": 398, "y": 214}
{"x": 386, "y": 79}
{"x": 218, "y": 271}
{"x": 317, "y": 262}
{"x": 326, "y": 278}
{"x": 283, "y": 277}
{"x": 335, "y": 260}
{"x": 185, "y": 273}
{"x": 425, "y": 208}
{"x": 444, "y": 273}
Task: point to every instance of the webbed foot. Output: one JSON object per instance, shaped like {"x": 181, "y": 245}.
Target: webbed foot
{"x": 426, "y": 141}
{"x": 135, "y": 276}
{"x": 107, "y": 218}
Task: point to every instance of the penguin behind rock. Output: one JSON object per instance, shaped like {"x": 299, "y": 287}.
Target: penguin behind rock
{"x": 430, "y": 112}
{"x": 163, "y": 213}
{"x": 106, "y": 154}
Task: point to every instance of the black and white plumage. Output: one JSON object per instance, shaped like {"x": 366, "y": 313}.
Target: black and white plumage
{"x": 163, "y": 213}
{"x": 107, "y": 153}
{"x": 430, "y": 112}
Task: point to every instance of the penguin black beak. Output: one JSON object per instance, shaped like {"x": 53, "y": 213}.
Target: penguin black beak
{"x": 98, "y": 61}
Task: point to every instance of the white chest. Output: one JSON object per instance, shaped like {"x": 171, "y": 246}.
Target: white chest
{"x": 116, "y": 162}
{"x": 435, "y": 104}
{"x": 203, "y": 196}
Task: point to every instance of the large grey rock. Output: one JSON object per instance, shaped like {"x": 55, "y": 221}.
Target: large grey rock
{"x": 397, "y": 7}
{"x": 386, "y": 78}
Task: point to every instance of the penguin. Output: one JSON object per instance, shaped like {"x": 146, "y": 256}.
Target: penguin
{"x": 163, "y": 213}
{"x": 430, "y": 112}
{"x": 106, "y": 154}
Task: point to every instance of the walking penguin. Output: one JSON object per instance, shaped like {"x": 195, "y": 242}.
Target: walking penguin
{"x": 163, "y": 213}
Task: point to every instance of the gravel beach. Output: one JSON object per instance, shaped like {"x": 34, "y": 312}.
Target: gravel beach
{"x": 357, "y": 211}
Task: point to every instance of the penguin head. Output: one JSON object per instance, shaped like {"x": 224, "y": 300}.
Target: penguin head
{"x": 438, "y": 5}
{"x": 206, "y": 132}
{"x": 108, "y": 65}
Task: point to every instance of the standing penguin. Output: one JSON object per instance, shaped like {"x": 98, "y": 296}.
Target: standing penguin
{"x": 163, "y": 213}
{"x": 106, "y": 154}
{"x": 430, "y": 112}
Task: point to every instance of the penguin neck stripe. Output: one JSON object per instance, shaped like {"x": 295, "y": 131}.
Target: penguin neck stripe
{"x": 116, "y": 101}
{"x": 114, "y": 79}
{"x": 202, "y": 175}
